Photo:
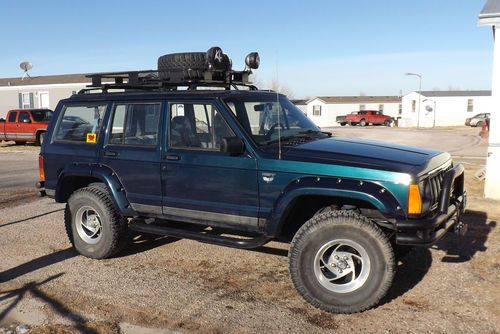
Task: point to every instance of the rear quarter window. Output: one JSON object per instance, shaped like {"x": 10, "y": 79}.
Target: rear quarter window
{"x": 12, "y": 116}
{"x": 80, "y": 123}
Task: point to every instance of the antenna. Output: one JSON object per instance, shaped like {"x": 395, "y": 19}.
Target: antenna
{"x": 278, "y": 106}
{"x": 26, "y": 66}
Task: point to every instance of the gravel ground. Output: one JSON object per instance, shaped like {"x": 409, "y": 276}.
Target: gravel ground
{"x": 187, "y": 286}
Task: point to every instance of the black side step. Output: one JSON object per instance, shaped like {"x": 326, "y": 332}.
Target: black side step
{"x": 200, "y": 236}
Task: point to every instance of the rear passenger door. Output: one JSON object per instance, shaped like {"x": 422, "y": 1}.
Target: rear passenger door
{"x": 132, "y": 151}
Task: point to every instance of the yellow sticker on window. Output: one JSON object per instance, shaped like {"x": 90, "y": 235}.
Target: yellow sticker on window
{"x": 91, "y": 138}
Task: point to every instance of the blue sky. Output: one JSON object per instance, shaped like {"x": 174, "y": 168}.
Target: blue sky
{"x": 314, "y": 47}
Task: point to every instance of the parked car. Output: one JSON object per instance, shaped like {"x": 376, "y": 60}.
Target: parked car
{"x": 477, "y": 120}
{"x": 239, "y": 168}
{"x": 365, "y": 117}
{"x": 25, "y": 125}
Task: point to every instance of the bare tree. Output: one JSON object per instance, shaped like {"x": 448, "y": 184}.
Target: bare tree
{"x": 281, "y": 88}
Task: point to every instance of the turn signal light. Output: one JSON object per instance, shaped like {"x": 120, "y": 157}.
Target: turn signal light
{"x": 414, "y": 200}
{"x": 41, "y": 171}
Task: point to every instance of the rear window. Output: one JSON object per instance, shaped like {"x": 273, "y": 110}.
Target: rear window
{"x": 135, "y": 124}
{"x": 41, "y": 115}
{"x": 80, "y": 123}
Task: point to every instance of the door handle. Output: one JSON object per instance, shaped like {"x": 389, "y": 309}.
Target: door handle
{"x": 111, "y": 154}
{"x": 173, "y": 157}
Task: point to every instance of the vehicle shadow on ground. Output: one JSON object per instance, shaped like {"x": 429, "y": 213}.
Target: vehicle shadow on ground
{"x": 411, "y": 269}
{"x": 463, "y": 248}
{"x": 78, "y": 322}
{"x": 142, "y": 242}
{"x": 30, "y": 218}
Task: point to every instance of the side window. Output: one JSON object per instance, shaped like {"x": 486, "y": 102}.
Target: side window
{"x": 197, "y": 125}
{"x": 135, "y": 124}
{"x": 24, "y": 117}
{"x": 12, "y": 116}
{"x": 80, "y": 123}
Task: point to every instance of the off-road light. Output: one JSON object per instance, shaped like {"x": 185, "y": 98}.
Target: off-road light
{"x": 252, "y": 60}
{"x": 414, "y": 200}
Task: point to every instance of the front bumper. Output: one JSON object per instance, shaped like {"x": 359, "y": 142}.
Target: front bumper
{"x": 452, "y": 203}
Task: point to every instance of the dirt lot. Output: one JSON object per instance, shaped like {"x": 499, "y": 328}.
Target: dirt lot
{"x": 187, "y": 286}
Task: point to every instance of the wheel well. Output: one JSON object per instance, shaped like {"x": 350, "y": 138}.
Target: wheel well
{"x": 304, "y": 207}
{"x": 71, "y": 183}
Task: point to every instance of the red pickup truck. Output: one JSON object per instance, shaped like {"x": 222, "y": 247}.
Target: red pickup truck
{"x": 25, "y": 125}
{"x": 365, "y": 117}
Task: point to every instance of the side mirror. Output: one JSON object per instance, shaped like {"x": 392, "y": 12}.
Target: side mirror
{"x": 232, "y": 145}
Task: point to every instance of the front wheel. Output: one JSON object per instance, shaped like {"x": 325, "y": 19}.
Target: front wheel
{"x": 340, "y": 262}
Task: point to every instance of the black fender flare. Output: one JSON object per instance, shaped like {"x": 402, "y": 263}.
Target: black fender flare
{"x": 368, "y": 191}
{"x": 103, "y": 174}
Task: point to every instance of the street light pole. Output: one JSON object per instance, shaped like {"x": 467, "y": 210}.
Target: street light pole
{"x": 419, "y": 95}
{"x": 433, "y": 111}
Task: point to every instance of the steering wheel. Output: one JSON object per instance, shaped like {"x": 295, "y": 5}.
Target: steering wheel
{"x": 273, "y": 127}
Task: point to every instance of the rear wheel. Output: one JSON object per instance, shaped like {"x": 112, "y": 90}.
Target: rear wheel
{"x": 343, "y": 124}
{"x": 479, "y": 124}
{"x": 93, "y": 224}
{"x": 362, "y": 122}
{"x": 19, "y": 142}
{"x": 340, "y": 262}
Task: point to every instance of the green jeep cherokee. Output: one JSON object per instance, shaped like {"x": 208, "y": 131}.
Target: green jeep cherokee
{"x": 223, "y": 162}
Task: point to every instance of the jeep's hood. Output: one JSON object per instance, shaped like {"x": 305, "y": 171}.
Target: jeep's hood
{"x": 368, "y": 154}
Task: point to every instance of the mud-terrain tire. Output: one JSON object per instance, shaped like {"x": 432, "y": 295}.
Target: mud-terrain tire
{"x": 189, "y": 65}
{"x": 94, "y": 226}
{"x": 340, "y": 262}
{"x": 362, "y": 122}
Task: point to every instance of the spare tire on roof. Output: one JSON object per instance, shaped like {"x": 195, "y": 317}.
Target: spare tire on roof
{"x": 191, "y": 65}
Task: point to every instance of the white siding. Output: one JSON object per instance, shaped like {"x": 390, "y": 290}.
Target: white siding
{"x": 450, "y": 110}
{"x": 329, "y": 112}
{"x": 9, "y": 95}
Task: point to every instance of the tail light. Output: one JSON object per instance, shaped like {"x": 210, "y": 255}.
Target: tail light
{"x": 41, "y": 171}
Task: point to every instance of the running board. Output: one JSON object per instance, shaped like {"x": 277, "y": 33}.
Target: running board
{"x": 200, "y": 236}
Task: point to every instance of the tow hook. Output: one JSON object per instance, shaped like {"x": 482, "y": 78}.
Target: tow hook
{"x": 461, "y": 229}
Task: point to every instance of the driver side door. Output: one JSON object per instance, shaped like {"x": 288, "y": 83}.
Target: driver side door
{"x": 201, "y": 183}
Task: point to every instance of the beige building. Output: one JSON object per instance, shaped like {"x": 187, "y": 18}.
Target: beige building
{"x": 38, "y": 92}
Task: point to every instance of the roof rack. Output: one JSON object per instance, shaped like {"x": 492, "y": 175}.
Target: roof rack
{"x": 190, "y": 70}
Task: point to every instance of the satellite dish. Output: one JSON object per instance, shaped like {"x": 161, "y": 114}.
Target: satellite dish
{"x": 26, "y": 66}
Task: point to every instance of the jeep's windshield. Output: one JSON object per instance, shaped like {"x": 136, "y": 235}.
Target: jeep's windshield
{"x": 267, "y": 119}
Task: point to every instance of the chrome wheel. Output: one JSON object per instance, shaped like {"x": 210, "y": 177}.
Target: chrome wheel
{"x": 342, "y": 266}
{"x": 88, "y": 224}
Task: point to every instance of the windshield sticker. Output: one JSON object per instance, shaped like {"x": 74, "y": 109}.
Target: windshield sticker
{"x": 91, "y": 138}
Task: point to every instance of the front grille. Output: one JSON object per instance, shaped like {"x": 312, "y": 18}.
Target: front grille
{"x": 433, "y": 188}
